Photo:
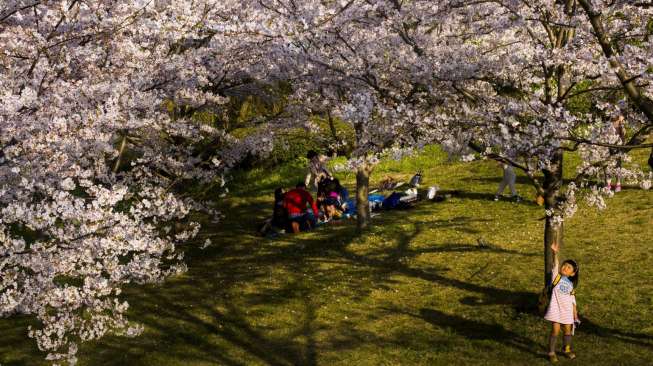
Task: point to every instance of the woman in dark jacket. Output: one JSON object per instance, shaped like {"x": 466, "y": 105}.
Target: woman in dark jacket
{"x": 279, "y": 214}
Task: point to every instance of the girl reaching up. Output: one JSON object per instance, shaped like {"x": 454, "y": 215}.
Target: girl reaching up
{"x": 562, "y": 307}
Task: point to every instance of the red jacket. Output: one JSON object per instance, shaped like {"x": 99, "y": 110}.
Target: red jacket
{"x": 295, "y": 201}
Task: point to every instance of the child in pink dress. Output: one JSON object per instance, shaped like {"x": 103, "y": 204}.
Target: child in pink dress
{"x": 562, "y": 307}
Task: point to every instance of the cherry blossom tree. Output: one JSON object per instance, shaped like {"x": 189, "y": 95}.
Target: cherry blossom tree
{"x": 348, "y": 58}
{"x": 90, "y": 157}
{"x": 504, "y": 78}
{"x": 532, "y": 62}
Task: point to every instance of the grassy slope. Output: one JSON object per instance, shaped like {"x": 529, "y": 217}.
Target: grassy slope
{"x": 417, "y": 290}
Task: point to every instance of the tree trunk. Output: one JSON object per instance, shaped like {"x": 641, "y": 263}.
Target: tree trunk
{"x": 120, "y": 152}
{"x": 553, "y": 232}
{"x": 362, "y": 191}
{"x": 332, "y": 127}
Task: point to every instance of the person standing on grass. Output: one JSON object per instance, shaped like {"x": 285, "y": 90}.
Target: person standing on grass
{"x": 295, "y": 202}
{"x": 317, "y": 169}
{"x": 562, "y": 311}
{"x": 509, "y": 179}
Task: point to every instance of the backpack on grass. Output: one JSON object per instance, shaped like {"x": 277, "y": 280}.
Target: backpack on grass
{"x": 545, "y": 296}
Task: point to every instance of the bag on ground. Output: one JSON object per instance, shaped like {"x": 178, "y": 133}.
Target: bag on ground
{"x": 392, "y": 201}
{"x": 416, "y": 180}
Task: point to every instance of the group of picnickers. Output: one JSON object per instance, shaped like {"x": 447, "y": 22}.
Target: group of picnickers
{"x": 295, "y": 210}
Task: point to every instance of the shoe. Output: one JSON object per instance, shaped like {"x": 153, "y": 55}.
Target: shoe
{"x": 617, "y": 188}
{"x": 517, "y": 198}
{"x": 568, "y": 353}
{"x": 553, "y": 358}
{"x": 496, "y": 197}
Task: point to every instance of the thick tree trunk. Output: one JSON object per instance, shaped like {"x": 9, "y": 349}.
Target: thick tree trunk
{"x": 362, "y": 191}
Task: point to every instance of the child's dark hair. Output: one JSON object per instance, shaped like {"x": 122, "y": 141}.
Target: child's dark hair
{"x": 574, "y": 279}
{"x": 311, "y": 154}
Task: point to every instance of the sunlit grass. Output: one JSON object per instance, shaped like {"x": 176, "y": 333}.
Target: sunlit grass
{"x": 417, "y": 289}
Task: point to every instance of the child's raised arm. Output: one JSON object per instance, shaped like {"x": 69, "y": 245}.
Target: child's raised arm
{"x": 555, "y": 247}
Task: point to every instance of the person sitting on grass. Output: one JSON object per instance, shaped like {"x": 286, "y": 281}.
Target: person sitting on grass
{"x": 331, "y": 207}
{"x": 278, "y": 223}
{"x": 295, "y": 202}
{"x": 279, "y": 213}
{"x": 324, "y": 209}
{"x": 562, "y": 306}
{"x": 333, "y": 197}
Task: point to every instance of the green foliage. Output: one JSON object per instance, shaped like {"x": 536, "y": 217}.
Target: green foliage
{"x": 257, "y": 179}
{"x": 292, "y": 144}
{"x": 17, "y": 230}
{"x": 582, "y": 103}
{"x": 508, "y": 90}
{"x": 243, "y": 114}
{"x": 344, "y": 134}
{"x": 206, "y": 117}
{"x": 63, "y": 281}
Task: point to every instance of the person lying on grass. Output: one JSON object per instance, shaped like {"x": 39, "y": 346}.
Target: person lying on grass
{"x": 562, "y": 306}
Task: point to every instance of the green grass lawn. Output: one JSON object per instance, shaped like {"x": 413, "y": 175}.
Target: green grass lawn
{"x": 415, "y": 290}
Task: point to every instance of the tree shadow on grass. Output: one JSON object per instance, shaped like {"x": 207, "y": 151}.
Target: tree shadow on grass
{"x": 207, "y": 328}
{"x": 479, "y": 331}
{"x": 588, "y": 326}
{"x": 491, "y": 294}
{"x": 15, "y": 347}
{"x": 210, "y": 300}
{"x": 522, "y": 302}
{"x": 219, "y": 308}
{"x": 327, "y": 256}
{"x": 217, "y": 312}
